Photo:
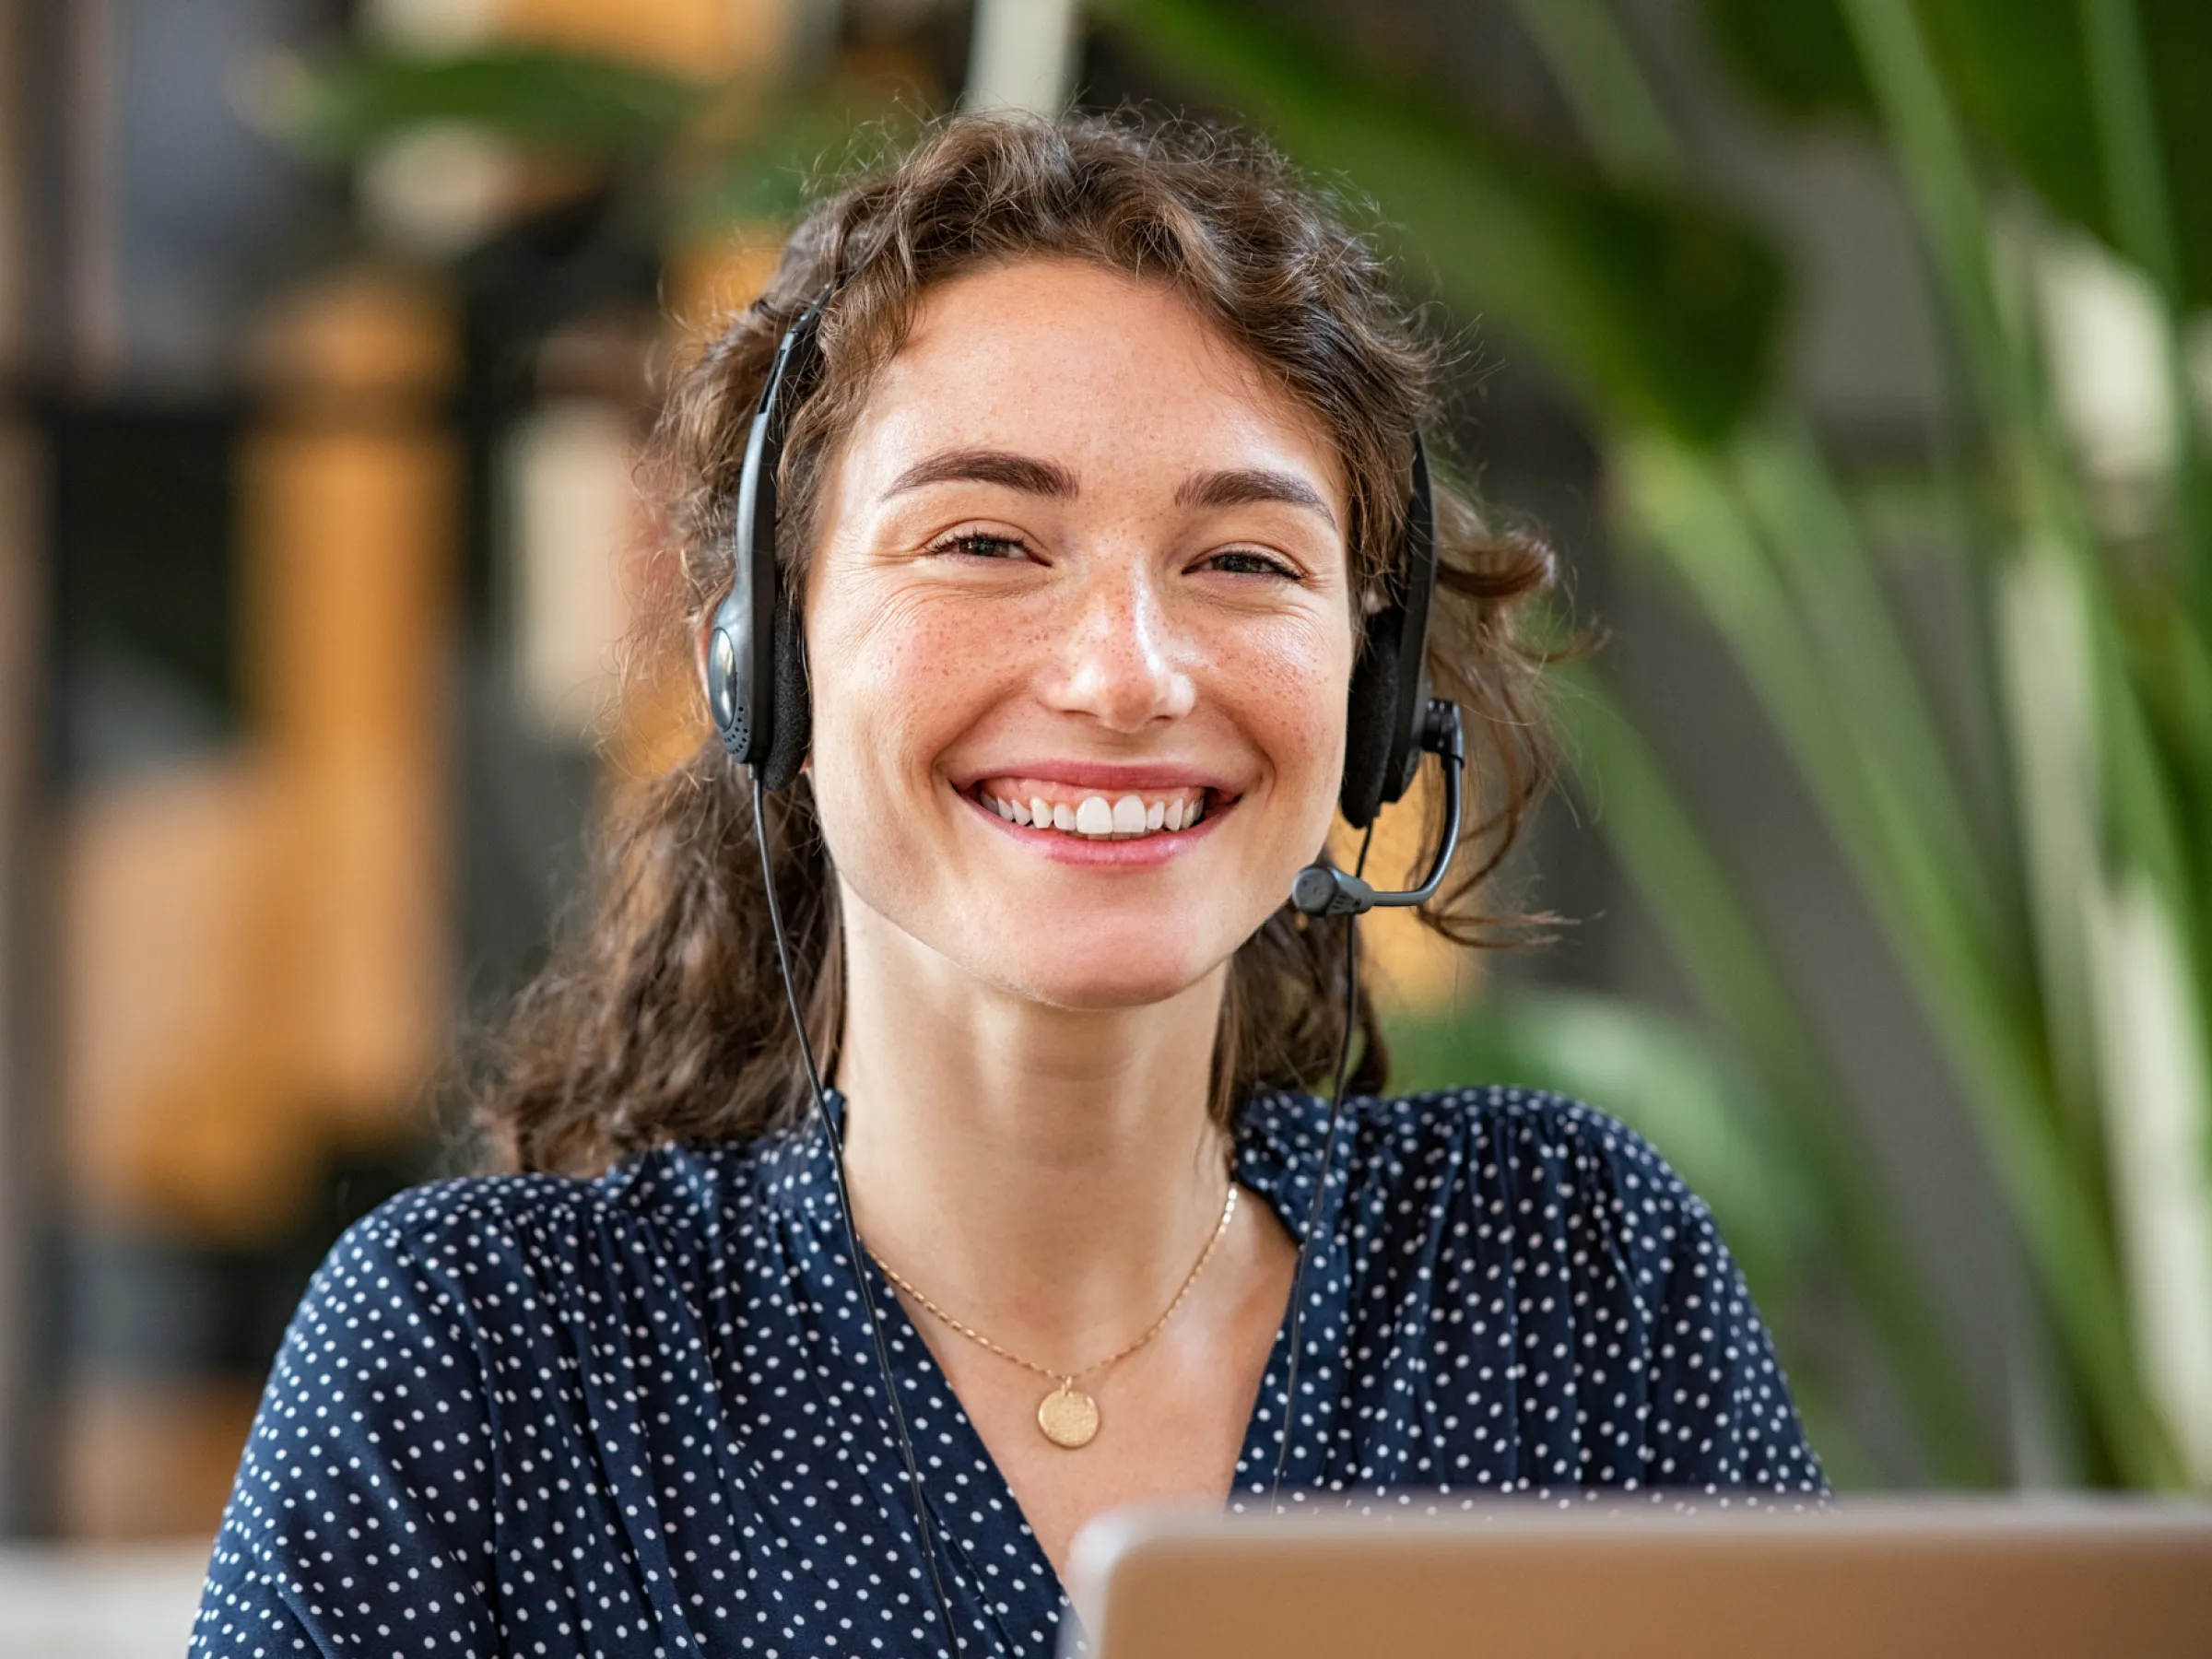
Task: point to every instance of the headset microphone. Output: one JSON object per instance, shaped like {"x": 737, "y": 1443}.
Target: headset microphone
{"x": 1323, "y": 890}
{"x": 1391, "y": 720}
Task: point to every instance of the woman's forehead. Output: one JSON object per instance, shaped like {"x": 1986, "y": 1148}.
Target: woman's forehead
{"x": 1094, "y": 371}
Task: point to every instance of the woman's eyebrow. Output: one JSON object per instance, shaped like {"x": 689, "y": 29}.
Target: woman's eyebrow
{"x": 1024, "y": 473}
{"x": 1240, "y": 487}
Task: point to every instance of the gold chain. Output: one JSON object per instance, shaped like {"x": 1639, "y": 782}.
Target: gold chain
{"x": 1068, "y": 1379}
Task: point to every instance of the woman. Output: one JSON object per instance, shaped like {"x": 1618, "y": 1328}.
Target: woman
{"x": 1102, "y": 464}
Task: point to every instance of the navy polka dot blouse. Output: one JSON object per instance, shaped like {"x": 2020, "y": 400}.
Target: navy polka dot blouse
{"x": 641, "y": 1415}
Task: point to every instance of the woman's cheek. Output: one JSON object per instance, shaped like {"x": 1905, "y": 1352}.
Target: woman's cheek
{"x": 900, "y": 679}
{"x": 1294, "y": 687}
{"x": 860, "y": 712}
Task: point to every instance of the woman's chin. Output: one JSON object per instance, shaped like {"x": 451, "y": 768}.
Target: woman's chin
{"x": 1100, "y": 980}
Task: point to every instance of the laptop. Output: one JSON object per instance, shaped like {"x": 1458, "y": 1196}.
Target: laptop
{"x": 2039, "y": 1578}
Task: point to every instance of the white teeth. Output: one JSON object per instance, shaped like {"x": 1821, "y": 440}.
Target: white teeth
{"x": 1097, "y": 817}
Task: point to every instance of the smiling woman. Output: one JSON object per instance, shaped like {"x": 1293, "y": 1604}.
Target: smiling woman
{"x": 1099, "y": 464}
{"x": 1145, "y": 532}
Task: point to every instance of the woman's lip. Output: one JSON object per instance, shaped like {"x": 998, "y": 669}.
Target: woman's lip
{"x": 1142, "y": 852}
{"x": 1125, "y": 778}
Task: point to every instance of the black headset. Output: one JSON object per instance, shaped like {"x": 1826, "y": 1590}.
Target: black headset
{"x": 757, "y": 662}
{"x": 756, "y": 669}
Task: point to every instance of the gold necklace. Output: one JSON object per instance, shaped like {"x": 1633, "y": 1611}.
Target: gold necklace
{"x": 1068, "y": 1416}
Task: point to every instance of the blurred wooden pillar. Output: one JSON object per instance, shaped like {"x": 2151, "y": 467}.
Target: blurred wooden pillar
{"x": 350, "y": 498}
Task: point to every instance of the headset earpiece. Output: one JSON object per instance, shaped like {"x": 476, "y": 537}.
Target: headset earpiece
{"x": 756, "y": 657}
{"x": 1390, "y": 686}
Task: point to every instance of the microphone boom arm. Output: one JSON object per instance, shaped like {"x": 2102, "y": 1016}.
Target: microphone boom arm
{"x": 1321, "y": 890}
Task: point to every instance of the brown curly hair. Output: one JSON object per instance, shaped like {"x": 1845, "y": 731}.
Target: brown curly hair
{"x": 663, "y": 1017}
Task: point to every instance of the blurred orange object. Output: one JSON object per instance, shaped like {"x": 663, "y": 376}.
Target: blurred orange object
{"x": 145, "y": 1457}
{"x": 697, "y": 38}
{"x": 347, "y": 574}
{"x": 179, "y": 1054}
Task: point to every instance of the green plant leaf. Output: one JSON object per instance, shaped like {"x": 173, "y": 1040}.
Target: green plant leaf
{"x": 590, "y": 108}
{"x": 1658, "y": 308}
{"x": 2018, "y": 71}
{"x": 1714, "y": 935}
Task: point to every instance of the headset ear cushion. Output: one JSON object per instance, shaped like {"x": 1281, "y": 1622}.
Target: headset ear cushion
{"x": 792, "y": 725}
{"x": 1367, "y": 736}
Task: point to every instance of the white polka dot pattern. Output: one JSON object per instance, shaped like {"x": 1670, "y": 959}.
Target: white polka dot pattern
{"x": 639, "y": 1416}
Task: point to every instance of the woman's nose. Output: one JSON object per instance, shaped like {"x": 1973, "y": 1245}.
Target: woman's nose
{"x": 1120, "y": 661}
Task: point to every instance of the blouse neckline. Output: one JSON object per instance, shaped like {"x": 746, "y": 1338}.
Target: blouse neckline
{"x": 1276, "y": 1140}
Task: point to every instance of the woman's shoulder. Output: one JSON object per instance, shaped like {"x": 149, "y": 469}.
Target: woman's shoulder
{"x": 668, "y": 1199}
{"x": 1506, "y": 1164}
{"x": 1488, "y": 1111}
{"x": 1521, "y": 1227}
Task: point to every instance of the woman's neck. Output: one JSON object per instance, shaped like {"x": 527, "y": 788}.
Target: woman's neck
{"x": 1046, "y": 1175}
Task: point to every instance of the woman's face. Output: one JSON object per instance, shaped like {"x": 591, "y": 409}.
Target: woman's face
{"x": 1081, "y": 577}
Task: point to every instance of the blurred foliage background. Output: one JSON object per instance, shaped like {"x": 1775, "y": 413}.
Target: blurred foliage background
{"x": 1854, "y": 351}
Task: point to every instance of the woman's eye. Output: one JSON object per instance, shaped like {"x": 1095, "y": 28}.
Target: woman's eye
{"x": 1239, "y": 562}
{"x": 979, "y": 544}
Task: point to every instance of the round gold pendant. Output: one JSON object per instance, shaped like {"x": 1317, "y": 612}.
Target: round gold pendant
{"x": 1068, "y": 1418}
